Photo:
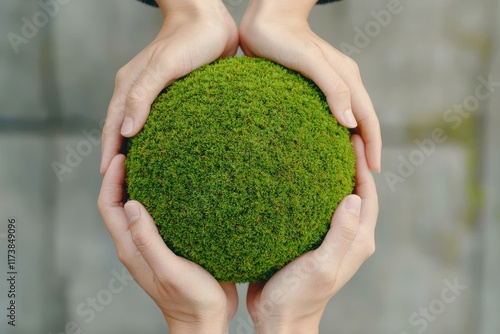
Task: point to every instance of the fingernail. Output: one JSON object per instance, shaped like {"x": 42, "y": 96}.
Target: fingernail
{"x": 127, "y": 126}
{"x": 349, "y": 119}
{"x": 378, "y": 168}
{"x": 353, "y": 204}
{"x": 132, "y": 210}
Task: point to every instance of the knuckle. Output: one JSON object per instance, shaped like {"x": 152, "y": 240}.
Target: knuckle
{"x": 135, "y": 96}
{"x": 108, "y": 128}
{"x": 348, "y": 233}
{"x": 352, "y": 64}
{"x": 342, "y": 91}
{"x": 115, "y": 113}
{"x": 100, "y": 204}
{"x": 141, "y": 240}
{"x": 152, "y": 76}
{"x": 370, "y": 248}
{"x": 103, "y": 202}
{"x": 111, "y": 125}
{"x": 121, "y": 75}
{"x": 122, "y": 257}
{"x": 325, "y": 278}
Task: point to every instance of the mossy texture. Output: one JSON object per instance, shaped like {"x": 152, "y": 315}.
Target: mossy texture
{"x": 241, "y": 165}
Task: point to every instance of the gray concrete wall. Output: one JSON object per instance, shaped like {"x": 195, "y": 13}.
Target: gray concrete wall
{"x": 439, "y": 220}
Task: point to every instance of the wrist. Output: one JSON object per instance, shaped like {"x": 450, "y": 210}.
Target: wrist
{"x": 287, "y": 329}
{"x": 187, "y": 7}
{"x": 288, "y": 325}
{"x": 281, "y": 8}
{"x": 197, "y": 327}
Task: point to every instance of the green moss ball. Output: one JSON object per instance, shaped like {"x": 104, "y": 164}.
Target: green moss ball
{"x": 241, "y": 164}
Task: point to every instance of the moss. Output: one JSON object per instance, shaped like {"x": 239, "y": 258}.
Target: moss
{"x": 241, "y": 164}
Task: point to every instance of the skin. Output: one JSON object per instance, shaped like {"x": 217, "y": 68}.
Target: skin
{"x": 278, "y": 30}
{"x": 294, "y": 299}
{"x": 196, "y": 33}
{"x": 192, "y": 301}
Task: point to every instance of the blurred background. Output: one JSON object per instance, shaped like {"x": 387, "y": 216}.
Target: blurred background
{"x": 432, "y": 68}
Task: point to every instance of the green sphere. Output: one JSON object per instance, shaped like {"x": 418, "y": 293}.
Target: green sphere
{"x": 241, "y": 164}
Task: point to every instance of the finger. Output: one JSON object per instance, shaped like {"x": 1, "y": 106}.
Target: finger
{"x": 111, "y": 137}
{"x": 110, "y": 200}
{"x": 343, "y": 231}
{"x": 111, "y": 209}
{"x": 139, "y": 99}
{"x": 362, "y": 106}
{"x": 368, "y": 124}
{"x": 338, "y": 94}
{"x": 364, "y": 244}
{"x": 365, "y": 188}
{"x": 148, "y": 241}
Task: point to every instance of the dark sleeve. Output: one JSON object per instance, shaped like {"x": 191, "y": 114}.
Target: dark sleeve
{"x": 153, "y": 2}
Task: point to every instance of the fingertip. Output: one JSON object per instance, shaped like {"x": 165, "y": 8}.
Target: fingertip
{"x": 378, "y": 164}
{"x": 127, "y": 126}
{"x": 373, "y": 154}
{"x": 373, "y": 162}
{"x": 115, "y": 169}
{"x": 117, "y": 159}
{"x": 342, "y": 112}
{"x": 349, "y": 119}
{"x": 110, "y": 146}
{"x": 104, "y": 165}
{"x": 352, "y": 204}
{"x": 133, "y": 211}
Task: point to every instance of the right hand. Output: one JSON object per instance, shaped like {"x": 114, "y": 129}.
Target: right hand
{"x": 278, "y": 30}
{"x": 194, "y": 33}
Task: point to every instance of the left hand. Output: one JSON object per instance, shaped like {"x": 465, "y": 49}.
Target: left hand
{"x": 294, "y": 299}
{"x": 278, "y": 30}
{"x": 191, "y": 300}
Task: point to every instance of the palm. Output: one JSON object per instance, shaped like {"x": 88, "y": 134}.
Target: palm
{"x": 298, "y": 285}
{"x": 289, "y": 41}
{"x": 181, "y": 46}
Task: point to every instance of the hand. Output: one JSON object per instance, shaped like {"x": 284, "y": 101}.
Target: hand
{"x": 278, "y": 30}
{"x": 194, "y": 33}
{"x": 191, "y": 300}
{"x": 294, "y": 299}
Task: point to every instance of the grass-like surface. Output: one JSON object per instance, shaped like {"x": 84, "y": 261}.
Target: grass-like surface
{"x": 241, "y": 164}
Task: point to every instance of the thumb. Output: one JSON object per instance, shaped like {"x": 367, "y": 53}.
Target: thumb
{"x": 140, "y": 97}
{"x": 148, "y": 241}
{"x": 343, "y": 230}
